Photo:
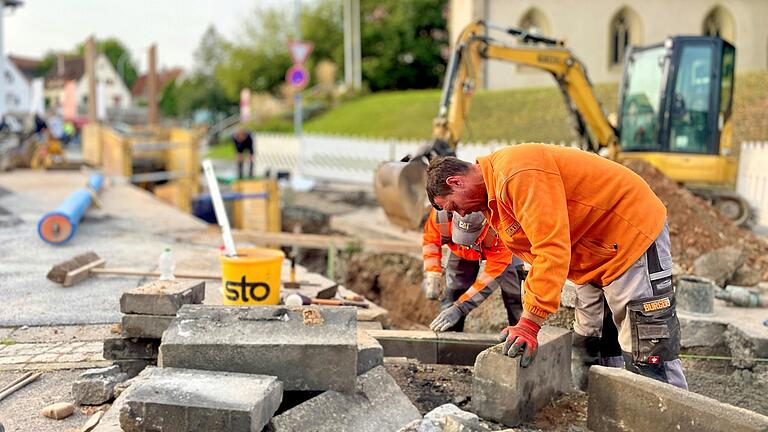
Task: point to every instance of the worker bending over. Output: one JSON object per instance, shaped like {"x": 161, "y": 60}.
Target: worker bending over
{"x": 470, "y": 240}
{"x": 573, "y": 214}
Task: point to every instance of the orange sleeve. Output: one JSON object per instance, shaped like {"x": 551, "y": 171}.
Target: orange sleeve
{"x": 431, "y": 251}
{"x": 538, "y": 201}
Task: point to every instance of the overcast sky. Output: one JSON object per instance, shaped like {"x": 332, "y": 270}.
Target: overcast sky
{"x": 175, "y": 25}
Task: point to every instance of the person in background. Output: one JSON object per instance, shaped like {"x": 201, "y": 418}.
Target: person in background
{"x": 243, "y": 142}
{"x": 471, "y": 240}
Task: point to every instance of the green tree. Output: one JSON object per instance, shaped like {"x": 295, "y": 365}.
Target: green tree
{"x": 402, "y": 43}
{"x": 169, "y": 104}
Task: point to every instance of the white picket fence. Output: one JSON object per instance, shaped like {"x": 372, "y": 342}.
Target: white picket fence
{"x": 752, "y": 180}
{"x": 344, "y": 158}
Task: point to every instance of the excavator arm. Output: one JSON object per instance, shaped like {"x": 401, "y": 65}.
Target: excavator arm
{"x": 400, "y": 185}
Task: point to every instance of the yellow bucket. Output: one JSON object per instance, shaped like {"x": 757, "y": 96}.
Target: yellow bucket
{"x": 251, "y": 278}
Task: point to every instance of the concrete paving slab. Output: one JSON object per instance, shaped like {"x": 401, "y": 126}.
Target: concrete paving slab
{"x": 162, "y": 297}
{"x": 621, "y": 400}
{"x": 369, "y": 352}
{"x": 504, "y": 392}
{"x": 171, "y": 399}
{"x": 306, "y": 347}
{"x": 145, "y": 326}
{"x": 434, "y": 348}
{"x": 376, "y": 405}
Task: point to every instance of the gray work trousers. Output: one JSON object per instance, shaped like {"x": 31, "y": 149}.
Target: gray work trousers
{"x": 643, "y": 306}
{"x": 460, "y": 274}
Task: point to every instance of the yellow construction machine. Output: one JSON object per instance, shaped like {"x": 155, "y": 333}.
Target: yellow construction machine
{"x": 674, "y": 112}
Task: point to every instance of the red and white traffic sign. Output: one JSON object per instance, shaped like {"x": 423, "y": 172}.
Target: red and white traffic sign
{"x": 297, "y": 77}
{"x": 300, "y": 50}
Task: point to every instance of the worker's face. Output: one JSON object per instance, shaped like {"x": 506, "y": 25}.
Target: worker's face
{"x": 464, "y": 197}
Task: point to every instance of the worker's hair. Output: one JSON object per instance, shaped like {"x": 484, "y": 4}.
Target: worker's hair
{"x": 438, "y": 172}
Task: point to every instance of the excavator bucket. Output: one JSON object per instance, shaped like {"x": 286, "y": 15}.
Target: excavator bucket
{"x": 401, "y": 190}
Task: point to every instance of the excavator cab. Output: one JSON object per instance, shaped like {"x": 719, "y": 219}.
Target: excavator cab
{"x": 675, "y": 112}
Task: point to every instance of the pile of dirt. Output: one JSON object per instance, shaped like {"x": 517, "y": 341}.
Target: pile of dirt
{"x": 695, "y": 227}
{"x": 393, "y": 282}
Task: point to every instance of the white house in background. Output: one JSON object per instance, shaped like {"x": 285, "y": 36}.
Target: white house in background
{"x": 116, "y": 93}
{"x": 17, "y": 88}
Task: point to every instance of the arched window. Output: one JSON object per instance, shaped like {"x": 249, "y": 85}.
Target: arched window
{"x": 719, "y": 22}
{"x": 535, "y": 22}
{"x": 625, "y": 30}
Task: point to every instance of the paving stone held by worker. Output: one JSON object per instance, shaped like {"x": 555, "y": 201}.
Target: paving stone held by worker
{"x": 573, "y": 214}
{"x": 470, "y": 240}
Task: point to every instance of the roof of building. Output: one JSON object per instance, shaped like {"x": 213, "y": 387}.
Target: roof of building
{"x": 27, "y": 66}
{"x": 139, "y": 87}
{"x": 73, "y": 68}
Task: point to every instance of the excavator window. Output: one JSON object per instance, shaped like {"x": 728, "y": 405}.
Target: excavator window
{"x": 642, "y": 94}
{"x": 691, "y": 102}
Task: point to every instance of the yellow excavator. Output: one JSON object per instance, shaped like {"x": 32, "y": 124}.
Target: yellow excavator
{"x": 674, "y": 112}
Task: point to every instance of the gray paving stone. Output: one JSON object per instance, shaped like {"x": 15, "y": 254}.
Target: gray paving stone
{"x": 145, "y": 326}
{"x": 172, "y": 400}
{"x": 369, "y": 352}
{"x": 622, "y": 400}
{"x": 96, "y": 386}
{"x": 376, "y": 405}
{"x": 504, "y": 392}
{"x": 130, "y": 348}
{"x": 162, "y": 297}
{"x": 306, "y": 347}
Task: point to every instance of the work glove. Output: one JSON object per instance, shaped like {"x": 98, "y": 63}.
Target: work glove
{"x": 446, "y": 319}
{"x": 431, "y": 284}
{"x": 521, "y": 338}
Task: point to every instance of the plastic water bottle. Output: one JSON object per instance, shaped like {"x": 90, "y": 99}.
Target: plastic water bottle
{"x": 166, "y": 265}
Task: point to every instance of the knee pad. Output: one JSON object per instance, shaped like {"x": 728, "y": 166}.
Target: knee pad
{"x": 655, "y": 332}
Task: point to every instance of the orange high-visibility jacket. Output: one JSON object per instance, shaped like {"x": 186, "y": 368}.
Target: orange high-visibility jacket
{"x": 571, "y": 214}
{"x": 497, "y": 258}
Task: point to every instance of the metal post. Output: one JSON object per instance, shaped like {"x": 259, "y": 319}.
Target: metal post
{"x": 297, "y": 115}
{"x": 357, "y": 57}
{"x": 347, "y": 26}
{"x": 2, "y": 62}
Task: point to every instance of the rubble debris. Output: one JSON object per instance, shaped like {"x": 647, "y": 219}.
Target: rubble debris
{"x": 719, "y": 265}
{"x": 162, "y": 297}
{"x": 505, "y": 393}
{"x": 268, "y": 340}
{"x": 695, "y": 227}
{"x": 58, "y": 410}
{"x": 377, "y": 404}
{"x": 92, "y": 421}
{"x": 96, "y": 386}
{"x": 619, "y": 397}
{"x": 182, "y": 399}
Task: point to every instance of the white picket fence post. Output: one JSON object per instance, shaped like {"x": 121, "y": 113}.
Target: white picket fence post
{"x": 752, "y": 178}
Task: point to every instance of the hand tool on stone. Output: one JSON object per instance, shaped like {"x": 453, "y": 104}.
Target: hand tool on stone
{"x": 81, "y": 267}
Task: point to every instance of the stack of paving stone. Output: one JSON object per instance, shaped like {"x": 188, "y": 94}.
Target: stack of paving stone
{"x": 148, "y": 311}
{"x": 234, "y": 368}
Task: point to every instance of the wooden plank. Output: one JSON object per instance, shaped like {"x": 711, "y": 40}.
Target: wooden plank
{"x": 319, "y": 241}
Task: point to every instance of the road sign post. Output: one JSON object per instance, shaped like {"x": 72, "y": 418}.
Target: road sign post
{"x": 297, "y": 75}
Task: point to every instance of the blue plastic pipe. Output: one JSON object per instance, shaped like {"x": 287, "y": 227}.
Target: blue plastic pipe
{"x": 60, "y": 225}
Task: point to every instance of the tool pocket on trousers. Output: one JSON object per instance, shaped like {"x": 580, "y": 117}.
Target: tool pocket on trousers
{"x": 655, "y": 329}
